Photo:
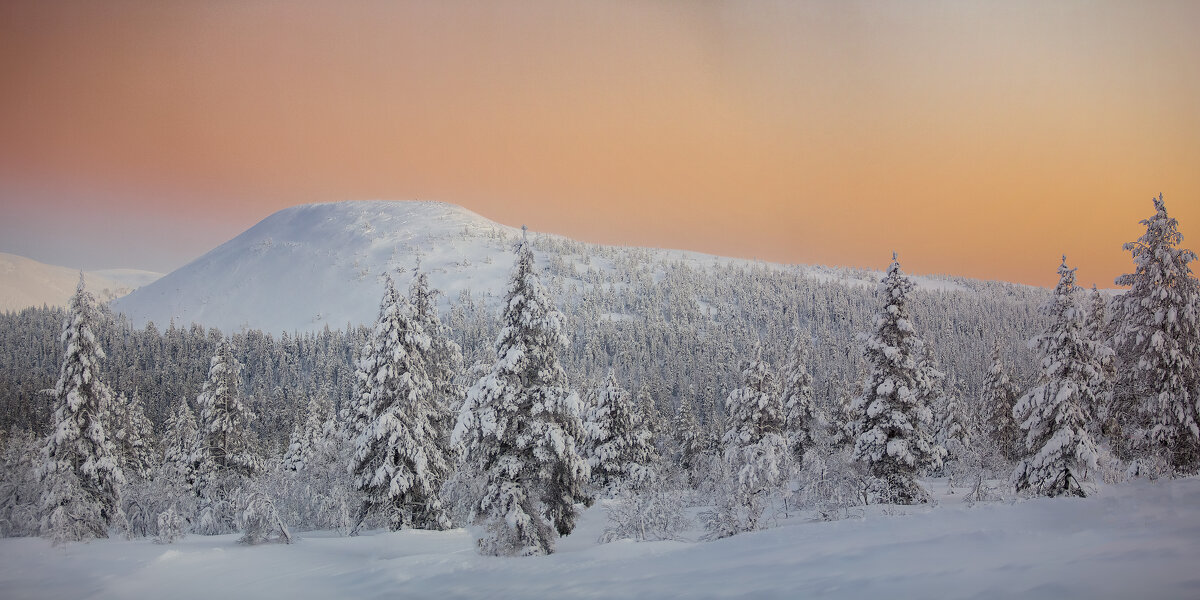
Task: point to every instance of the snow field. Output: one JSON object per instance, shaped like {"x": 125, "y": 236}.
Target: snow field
{"x": 1135, "y": 540}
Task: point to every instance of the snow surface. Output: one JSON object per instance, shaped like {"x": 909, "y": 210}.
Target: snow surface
{"x": 25, "y": 283}
{"x": 1136, "y": 540}
{"x": 309, "y": 266}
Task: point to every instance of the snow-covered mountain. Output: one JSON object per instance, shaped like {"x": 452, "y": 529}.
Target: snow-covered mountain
{"x": 309, "y": 266}
{"x": 25, "y": 282}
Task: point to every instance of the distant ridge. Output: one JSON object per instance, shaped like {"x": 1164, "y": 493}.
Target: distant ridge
{"x": 26, "y": 283}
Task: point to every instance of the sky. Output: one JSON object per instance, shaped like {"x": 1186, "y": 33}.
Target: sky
{"x": 982, "y": 139}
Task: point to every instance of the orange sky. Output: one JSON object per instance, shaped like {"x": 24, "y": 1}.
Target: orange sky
{"x": 981, "y": 139}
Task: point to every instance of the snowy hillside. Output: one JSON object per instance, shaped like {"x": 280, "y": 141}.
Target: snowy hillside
{"x": 25, "y": 282}
{"x": 309, "y": 266}
{"x": 1136, "y": 540}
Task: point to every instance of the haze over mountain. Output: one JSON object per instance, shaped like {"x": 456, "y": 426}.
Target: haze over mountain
{"x": 25, "y": 282}
{"x": 309, "y": 266}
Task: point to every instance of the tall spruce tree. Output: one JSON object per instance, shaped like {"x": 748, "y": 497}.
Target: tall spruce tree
{"x": 132, "y": 436}
{"x": 224, "y": 443}
{"x": 895, "y": 437}
{"x": 1158, "y": 348}
{"x": 520, "y": 426}
{"x": 178, "y": 441}
{"x": 618, "y": 442}
{"x": 1055, "y": 414}
{"x": 689, "y": 439}
{"x": 443, "y": 360}
{"x": 755, "y": 448}
{"x": 998, "y": 399}
{"x": 801, "y": 416}
{"x": 400, "y": 460}
{"x": 80, "y": 472}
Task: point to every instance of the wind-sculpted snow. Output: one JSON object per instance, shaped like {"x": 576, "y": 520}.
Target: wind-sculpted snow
{"x": 1136, "y": 540}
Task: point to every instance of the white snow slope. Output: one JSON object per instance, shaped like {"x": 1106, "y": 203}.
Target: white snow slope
{"x": 25, "y": 283}
{"x": 1137, "y": 540}
{"x": 321, "y": 264}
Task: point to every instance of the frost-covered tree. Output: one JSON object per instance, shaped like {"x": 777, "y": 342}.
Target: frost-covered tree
{"x": 20, "y": 490}
{"x": 895, "y": 424}
{"x": 443, "y": 360}
{"x": 1055, "y": 414}
{"x": 1158, "y": 325}
{"x": 689, "y": 439}
{"x": 224, "y": 443}
{"x": 998, "y": 399}
{"x": 953, "y": 425}
{"x": 80, "y": 471}
{"x": 520, "y": 426}
{"x": 315, "y": 439}
{"x": 400, "y": 460}
{"x": 618, "y": 443}
{"x": 224, "y": 456}
{"x": 132, "y": 436}
{"x": 801, "y": 416}
{"x": 178, "y": 441}
{"x": 756, "y": 452}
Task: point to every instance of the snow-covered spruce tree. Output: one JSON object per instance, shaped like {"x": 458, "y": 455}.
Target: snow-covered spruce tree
{"x": 1158, "y": 325}
{"x": 894, "y": 423}
{"x": 755, "y": 450}
{"x": 80, "y": 471}
{"x": 953, "y": 427}
{"x": 1096, "y": 328}
{"x": 443, "y": 360}
{"x": 314, "y": 439}
{"x": 618, "y": 443}
{"x": 998, "y": 398}
{"x": 520, "y": 426}
{"x": 1055, "y": 414}
{"x": 400, "y": 460}
{"x": 689, "y": 442}
{"x": 132, "y": 436}
{"x": 224, "y": 456}
{"x": 20, "y": 490}
{"x": 801, "y": 416}
{"x": 178, "y": 442}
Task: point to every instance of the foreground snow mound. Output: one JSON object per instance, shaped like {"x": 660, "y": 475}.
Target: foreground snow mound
{"x": 1138, "y": 540}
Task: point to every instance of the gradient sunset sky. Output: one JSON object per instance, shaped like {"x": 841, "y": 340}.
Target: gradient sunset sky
{"x": 982, "y": 139}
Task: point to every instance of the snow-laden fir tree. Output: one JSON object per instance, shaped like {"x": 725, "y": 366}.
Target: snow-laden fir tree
{"x": 400, "y": 457}
{"x": 1158, "y": 328}
{"x": 1096, "y": 328}
{"x": 998, "y": 399}
{"x": 80, "y": 471}
{"x": 224, "y": 456}
{"x": 315, "y": 439}
{"x": 443, "y": 360}
{"x": 619, "y": 448}
{"x": 132, "y": 436}
{"x": 801, "y": 416}
{"x": 224, "y": 443}
{"x": 520, "y": 426}
{"x": 178, "y": 441}
{"x": 689, "y": 440}
{"x": 953, "y": 426}
{"x": 1055, "y": 414}
{"x": 756, "y": 452}
{"x": 894, "y": 422}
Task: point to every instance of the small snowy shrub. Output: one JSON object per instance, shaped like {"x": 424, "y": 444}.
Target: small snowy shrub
{"x": 259, "y": 521}
{"x": 646, "y": 513}
{"x": 170, "y": 527}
